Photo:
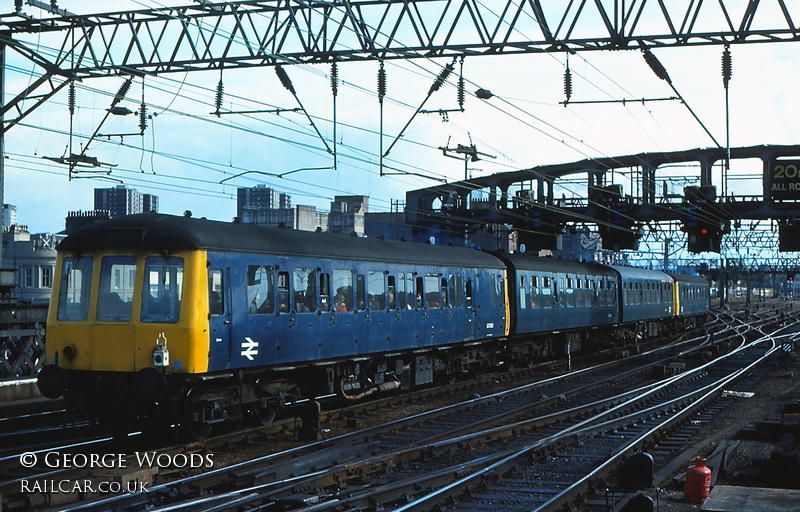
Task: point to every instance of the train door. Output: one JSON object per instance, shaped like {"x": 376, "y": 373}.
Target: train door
{"x": 471, "y": 313}
{"x": 377, "y": 314}
{"x": 219, "y": 315}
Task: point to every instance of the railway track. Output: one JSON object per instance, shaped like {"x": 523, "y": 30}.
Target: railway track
{"x": 333, "y": 463}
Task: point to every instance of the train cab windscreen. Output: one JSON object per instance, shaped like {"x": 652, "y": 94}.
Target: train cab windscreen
{"x": 161, "y": 294}
{"x": 75, "y": 290}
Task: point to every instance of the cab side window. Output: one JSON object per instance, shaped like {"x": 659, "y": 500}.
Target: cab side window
{"x": 76, "y": 285}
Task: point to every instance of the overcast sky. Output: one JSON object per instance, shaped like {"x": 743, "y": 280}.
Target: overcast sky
{"x": 187, "y": 151}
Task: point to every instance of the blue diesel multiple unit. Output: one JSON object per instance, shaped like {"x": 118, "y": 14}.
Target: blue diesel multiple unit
{"x": 200, "y": 321}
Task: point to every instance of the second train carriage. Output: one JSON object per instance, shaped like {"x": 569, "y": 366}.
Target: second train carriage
{"x": 644, "y": 294}
{"x": 555, "y": 303}
{"x": 553, "y": 294}
{"x": 219, "y": 319}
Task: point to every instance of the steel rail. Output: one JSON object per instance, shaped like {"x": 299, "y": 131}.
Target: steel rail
{"x": 441, "y": 495}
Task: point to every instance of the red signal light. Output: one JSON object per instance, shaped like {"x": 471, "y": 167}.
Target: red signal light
{"x": 704, "y": 231}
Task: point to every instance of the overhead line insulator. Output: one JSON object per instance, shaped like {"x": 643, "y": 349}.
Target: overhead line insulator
{"x": 284, "y": 78}
{"x": 727, "y": 67}
{"x": 71, "y": 99}
{"x": 334, "y": 79}
{"x": 142, "y": 117}
{"x": 656, "y": 66}
{"x": 568, "y": 84}
{"x": 123, "y": 90}
{"x": 381, "y": 83}
{"x": 437, "y": 84}
{"x": 461, "y": 93}
{"x": 218, "y": 101}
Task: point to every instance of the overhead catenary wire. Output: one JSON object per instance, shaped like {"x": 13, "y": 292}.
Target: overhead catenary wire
{"x": 258, "y": 132}
{"x": 237, "y": 39}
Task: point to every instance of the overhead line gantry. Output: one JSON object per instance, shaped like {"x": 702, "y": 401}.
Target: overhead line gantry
{"x": 228, "y": 35}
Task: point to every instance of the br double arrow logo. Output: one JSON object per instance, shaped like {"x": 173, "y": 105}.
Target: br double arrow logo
{"x": 249, "y": 348}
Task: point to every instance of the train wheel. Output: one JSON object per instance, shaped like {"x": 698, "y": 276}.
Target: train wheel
{"x": 264, "y": 415}
{"x": 198, "y": 430}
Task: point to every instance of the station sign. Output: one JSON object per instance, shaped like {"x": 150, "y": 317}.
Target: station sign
{"x": 784, "y": 180}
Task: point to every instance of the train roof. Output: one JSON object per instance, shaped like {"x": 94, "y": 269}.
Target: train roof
{"x": 641, "y": 273}
{"x": 535, "y": 263}
{"x": 152, "y": 231}
{"x": 688, "y": 278}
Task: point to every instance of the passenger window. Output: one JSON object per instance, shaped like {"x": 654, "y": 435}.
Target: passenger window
{"x": 401, "y": 291}
{"x": 547, "y": 293}
{"x": 75, "y": 289}
{"x": 443, "y": 292}
{"x": 600, "y": 293}
{"x": 569, "y": 292}
{"x": 409, "y": 291}
{"x": 492, "y": 298}
{"x": 161, "y": 295}
{"x": 589, "y": 292}
{"x": 468, "y": 293}
{"x": 283, "y": 292}
{"x": 324, "y": 292}
{"x": 451, "y": 294}
{"x": 343, "y": 287}
{"x": 216, "y": 300}
{"x": 259, "y": 290}
{"x": 419, "y": 288}
{"x": 523, "y": 300}
{"x": 432, "y": 299}
{"x": 305, "y": 292}
{"x": 376, "y": 291}
{"x": 115, "y": 293}
{"x": 459, "y": 294}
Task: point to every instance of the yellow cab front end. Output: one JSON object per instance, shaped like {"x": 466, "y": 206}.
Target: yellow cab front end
{"x": 120, "y": 312}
